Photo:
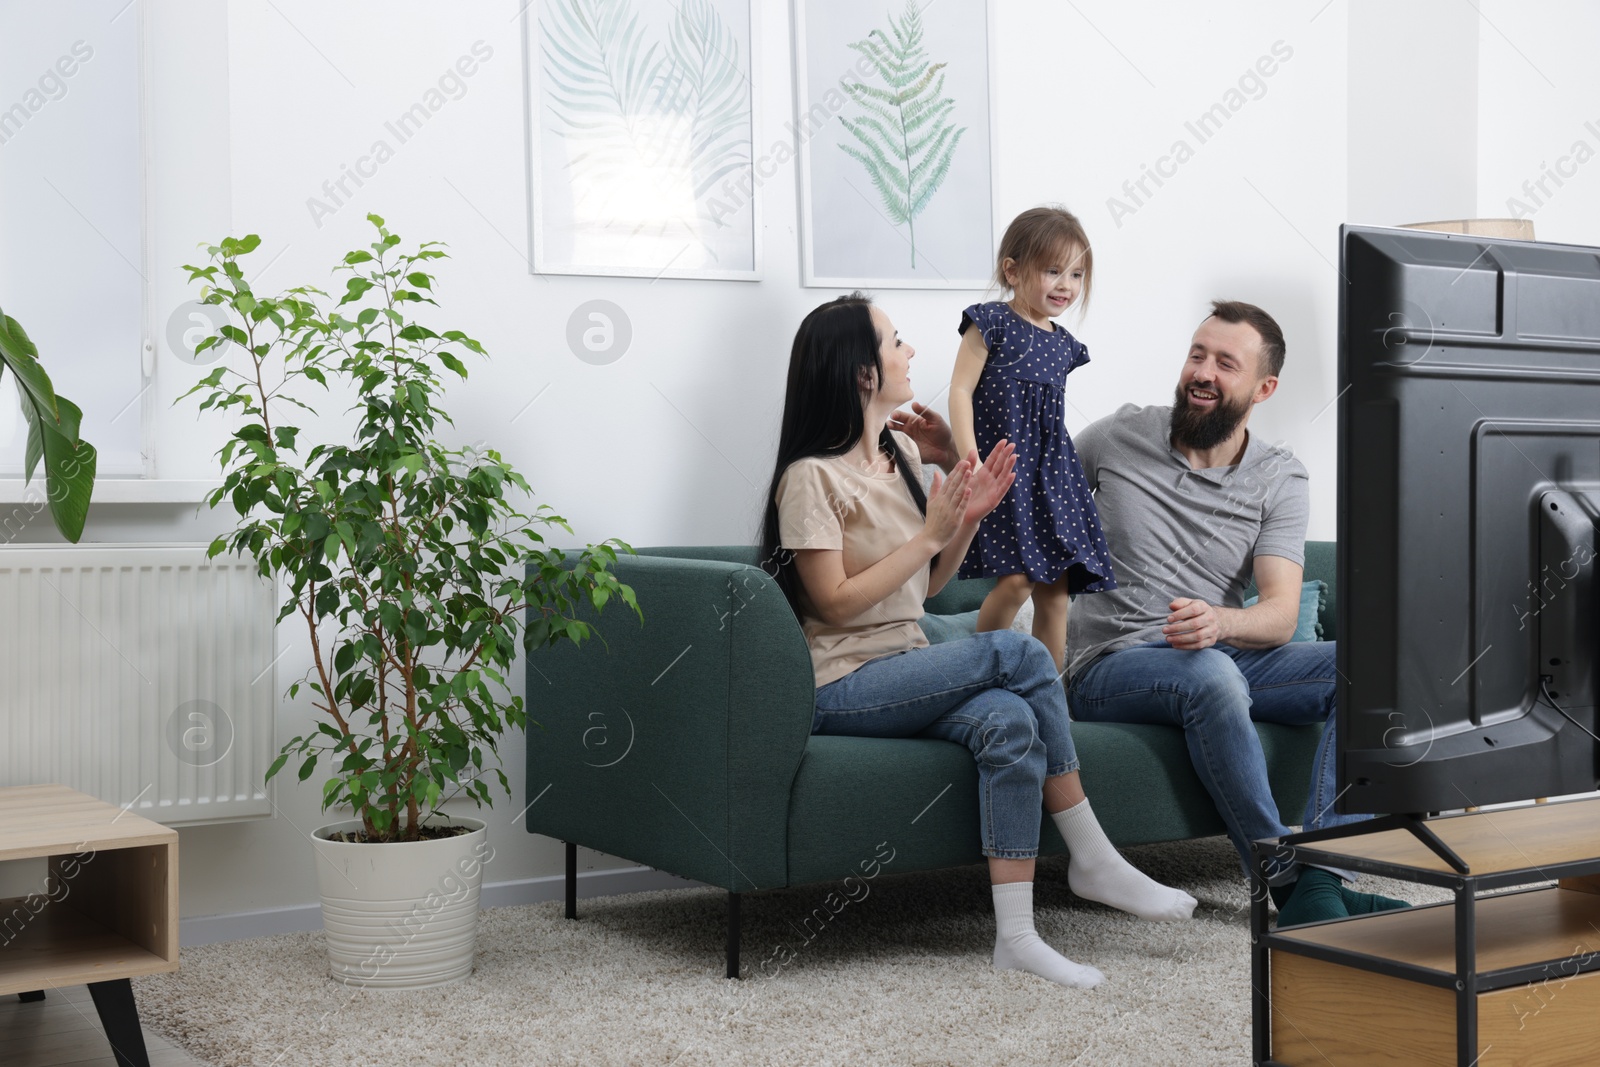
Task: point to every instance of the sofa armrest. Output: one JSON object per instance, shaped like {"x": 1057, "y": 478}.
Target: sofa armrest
{"x": 675, "y": 742}
{"x": 958, "y": 596}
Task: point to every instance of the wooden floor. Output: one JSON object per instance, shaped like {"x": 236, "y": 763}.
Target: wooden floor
{"x": 63, "y": 1029}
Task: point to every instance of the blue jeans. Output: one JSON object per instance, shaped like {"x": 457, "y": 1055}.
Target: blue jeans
{"x": 1215, "y": 694}
{"x": 997, "y": 694}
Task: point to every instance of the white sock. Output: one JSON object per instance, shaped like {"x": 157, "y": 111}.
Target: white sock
{"x": 1018, "y": 946}
{"x": 1098, "y": 871}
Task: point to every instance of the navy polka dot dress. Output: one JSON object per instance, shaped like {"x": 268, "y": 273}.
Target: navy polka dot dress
{"x": 1047, "y": 524}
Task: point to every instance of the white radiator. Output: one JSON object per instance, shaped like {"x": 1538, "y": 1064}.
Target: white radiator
{"x": 140, "y": 674}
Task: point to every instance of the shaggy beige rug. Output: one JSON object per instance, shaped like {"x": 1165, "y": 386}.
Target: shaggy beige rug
{"x": 900, "y": 976}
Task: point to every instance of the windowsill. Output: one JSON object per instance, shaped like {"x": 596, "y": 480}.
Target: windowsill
{"x": 116, "y": 490}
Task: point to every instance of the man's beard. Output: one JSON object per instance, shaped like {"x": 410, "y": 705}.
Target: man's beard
{"x": 1205, "y": 430}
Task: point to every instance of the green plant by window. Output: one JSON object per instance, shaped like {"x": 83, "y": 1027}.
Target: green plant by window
{"x": 69, "y": 461}
{"x": 404, "y": 559}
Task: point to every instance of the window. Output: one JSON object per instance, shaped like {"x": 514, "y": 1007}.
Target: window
{"x": 72, "y": 250}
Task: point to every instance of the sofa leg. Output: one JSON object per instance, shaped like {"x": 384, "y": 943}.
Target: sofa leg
{"x": 572, "y": 879}
{"x": 733, "y": 934}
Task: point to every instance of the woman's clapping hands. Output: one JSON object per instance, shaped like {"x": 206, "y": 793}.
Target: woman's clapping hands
{"x": 991, "y": 481}
{"x": 970, "y": 493}
{"x": 947, "y": 504}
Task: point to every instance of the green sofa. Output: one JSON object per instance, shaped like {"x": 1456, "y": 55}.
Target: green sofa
{"x": 684, "y": 743}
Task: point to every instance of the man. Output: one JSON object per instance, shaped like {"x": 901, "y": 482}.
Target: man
{"x": 1194, "y": 506}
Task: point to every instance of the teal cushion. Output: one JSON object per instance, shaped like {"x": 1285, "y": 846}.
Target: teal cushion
{"x": 1308, "y": 627}
{"x": 942, "y": 628}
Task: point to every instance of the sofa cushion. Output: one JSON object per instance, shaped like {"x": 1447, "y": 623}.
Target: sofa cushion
{"x": 1308, "y": 626}
{"x": 918, "y": 796}
{"x": 941, "y": 628}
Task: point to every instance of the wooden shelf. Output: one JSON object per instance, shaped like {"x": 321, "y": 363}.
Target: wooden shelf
{"x": 61, "y": 947}
{"x": 1504, "y": 841}
{"x": 109, "y": 907}
{"x": 1514, "y": 930}
{"x": 1323, "y": 1014}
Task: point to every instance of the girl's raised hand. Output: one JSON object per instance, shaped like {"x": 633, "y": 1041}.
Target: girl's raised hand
{"x": 947, "y": 504}
{"x": 991, "y": 481}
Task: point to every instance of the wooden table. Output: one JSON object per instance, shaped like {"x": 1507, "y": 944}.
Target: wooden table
{"x": 108, "y": 911}
{"x": 1493, "y": 978}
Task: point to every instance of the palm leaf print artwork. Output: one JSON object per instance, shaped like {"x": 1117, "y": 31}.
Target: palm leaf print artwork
{"x": 705, "y": 87}
{"x": 651, "y": 127}
{"x": 904, "y": 135}
{"x": 600, "y": 75}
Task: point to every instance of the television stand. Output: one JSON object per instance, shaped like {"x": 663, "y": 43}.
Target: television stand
{"x": 1507, "y": 978}
{"x": 1416, "y": 825}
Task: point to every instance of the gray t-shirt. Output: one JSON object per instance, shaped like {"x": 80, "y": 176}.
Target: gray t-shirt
{"x": 1175, "y": 531}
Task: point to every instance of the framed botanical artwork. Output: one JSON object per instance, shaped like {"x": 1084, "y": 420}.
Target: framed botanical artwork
{"x": 641, "y": 125}
{"x": 895, "y": 127}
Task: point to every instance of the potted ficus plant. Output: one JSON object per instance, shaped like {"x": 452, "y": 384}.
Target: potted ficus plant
{"x": 408, "y": 563}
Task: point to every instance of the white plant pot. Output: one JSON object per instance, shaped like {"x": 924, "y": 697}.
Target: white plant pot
{"x": 402, "y": 915}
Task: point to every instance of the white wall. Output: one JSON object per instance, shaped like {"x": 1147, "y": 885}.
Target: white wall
{"x": 1539, "y": 117}
{"x": 1413, "y": 114}
{"x": 255, "y": 106}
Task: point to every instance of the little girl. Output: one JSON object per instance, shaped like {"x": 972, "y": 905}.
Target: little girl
{"x": 1044, "y": 539}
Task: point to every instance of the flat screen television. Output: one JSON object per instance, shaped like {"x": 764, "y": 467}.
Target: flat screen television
{"x": 1469, "y": 491}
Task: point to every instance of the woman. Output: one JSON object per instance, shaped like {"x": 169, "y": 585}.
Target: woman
{"x": 857, "y": 546}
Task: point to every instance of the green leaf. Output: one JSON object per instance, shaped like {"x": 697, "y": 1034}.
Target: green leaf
{"x": 411, "y": 463}
{"x": 69, "y": 465}
{"x": 355, "y": 288}
{"x": 22, "y": 358}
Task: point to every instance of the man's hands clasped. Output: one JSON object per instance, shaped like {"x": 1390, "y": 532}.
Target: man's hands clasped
{"x": 1192, "y": 624}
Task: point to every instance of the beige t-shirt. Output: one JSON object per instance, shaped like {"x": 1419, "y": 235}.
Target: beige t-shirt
{"x": 832, "y": 503}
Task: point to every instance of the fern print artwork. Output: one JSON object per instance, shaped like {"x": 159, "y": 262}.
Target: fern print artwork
{"x": 644, "y": 111}
{"x": 904, "y": 136}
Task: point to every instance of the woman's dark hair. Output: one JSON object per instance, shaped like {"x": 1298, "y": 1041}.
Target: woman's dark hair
{"x": 823, "y": 414}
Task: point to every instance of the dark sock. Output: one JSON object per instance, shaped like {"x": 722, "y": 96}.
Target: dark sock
{"x": 1281, "y": 894}
{"x": 1367, "y": 903}
{"x": 1315, "y": 897}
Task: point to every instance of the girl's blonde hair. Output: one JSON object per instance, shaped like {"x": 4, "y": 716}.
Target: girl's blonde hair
{"x": 1043, "y": 237}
